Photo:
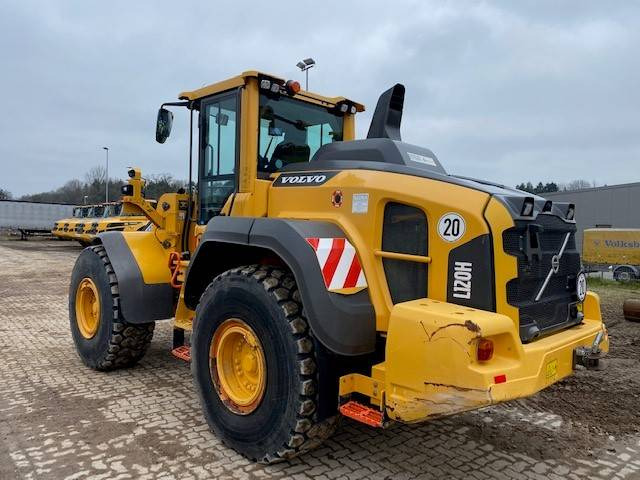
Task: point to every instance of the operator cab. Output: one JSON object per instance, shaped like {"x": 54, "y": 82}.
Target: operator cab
{"x": 291, "y": 126}
{"x": 290, "y": 131}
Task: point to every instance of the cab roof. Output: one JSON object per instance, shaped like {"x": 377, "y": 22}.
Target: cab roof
{"x": 244, "y": 77}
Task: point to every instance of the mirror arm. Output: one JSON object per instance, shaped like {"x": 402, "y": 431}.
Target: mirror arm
{"x": 175, "y": 104}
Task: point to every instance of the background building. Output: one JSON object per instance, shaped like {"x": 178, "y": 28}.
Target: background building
{"x": 616, "y": 206}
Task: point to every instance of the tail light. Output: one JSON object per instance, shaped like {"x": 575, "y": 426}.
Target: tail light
{"x": 485, "y": 350}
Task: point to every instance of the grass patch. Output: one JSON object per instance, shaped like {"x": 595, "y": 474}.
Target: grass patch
{"x": 607, "y": 283}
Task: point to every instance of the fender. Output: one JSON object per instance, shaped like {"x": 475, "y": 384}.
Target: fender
{"x": 345, "y": 324}
{"x": 140, "y": 302}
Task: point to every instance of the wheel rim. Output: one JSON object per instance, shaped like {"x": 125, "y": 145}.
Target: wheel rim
{"x": 87, "y": 308}
{"x": 237, "y": 366}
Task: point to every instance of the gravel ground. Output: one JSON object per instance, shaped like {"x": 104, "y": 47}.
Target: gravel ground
{"x": 59, "y": 419}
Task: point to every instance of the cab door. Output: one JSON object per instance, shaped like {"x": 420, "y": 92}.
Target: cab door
{"x": 219, "y": 153}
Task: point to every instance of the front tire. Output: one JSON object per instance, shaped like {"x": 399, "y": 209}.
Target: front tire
{"x": 103, "y": 339}
{"x": 283, "y": 422}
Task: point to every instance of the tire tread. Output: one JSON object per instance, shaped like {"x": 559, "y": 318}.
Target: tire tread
{"x": 307, "y": 432}
{"x": 128, "y": 342}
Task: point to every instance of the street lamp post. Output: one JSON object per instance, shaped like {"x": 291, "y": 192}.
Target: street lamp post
{"x": 305, "y": 65}
{"x": 106, "y": 191}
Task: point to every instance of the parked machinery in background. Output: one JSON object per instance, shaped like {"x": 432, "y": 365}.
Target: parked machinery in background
{"x": 90, "y": 220}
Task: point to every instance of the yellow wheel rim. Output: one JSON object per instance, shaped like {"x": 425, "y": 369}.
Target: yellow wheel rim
{"x": 87, "y": 308}
{"x": 237, "y": 366}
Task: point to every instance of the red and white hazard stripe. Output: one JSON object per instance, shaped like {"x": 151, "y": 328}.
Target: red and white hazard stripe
{"x": 339, "y": 263}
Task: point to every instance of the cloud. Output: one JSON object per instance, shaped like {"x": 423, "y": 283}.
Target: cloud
{"x": 508, "y": 91}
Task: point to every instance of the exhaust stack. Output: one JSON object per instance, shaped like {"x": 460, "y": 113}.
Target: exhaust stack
{"x": 388, "y": 114}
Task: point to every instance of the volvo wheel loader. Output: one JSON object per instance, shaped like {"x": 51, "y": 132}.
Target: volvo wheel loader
{"x": 108, "y": 217}
{"x": 312, "y": 275}
{"x": 65, "y": 227}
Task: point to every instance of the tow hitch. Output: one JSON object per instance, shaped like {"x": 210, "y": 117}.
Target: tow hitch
{"x": 589, "y": 357}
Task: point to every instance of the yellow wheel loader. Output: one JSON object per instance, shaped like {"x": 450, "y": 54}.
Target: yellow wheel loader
{"x": 74, "y": 228}
{"x": 95, "y": 219}
{"x": 117, "y": 217}
{"x": 65, "y": 227}
{"x": 314, "y": 275}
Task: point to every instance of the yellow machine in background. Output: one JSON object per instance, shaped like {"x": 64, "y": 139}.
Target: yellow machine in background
{"x": 65, "y": 227}
{"x": 111, "y": 217}
{"x": 313, "y": 274}
{"x": 117, "y": 217}
{"x": 73, "y": 228}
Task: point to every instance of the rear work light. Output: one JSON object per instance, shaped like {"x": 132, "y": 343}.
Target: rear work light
{"x": 485, "y": 350}
{"x": 571, "y": 210}
{"x": 270, "y": 85}
{"x": 265, "y": 84}
{"x": 527, "y": 207}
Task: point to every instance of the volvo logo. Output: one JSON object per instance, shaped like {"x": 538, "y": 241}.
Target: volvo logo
{"x": 307, "y": 179}
{"x": 555, "y": 266}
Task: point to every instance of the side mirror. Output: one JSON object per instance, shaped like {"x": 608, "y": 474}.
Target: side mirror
{"x": 163, "y": 125}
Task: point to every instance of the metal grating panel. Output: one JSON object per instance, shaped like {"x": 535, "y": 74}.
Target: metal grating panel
{"x": 535, "y": 243}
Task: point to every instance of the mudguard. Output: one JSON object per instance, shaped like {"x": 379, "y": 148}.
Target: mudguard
{"x": 140, "y": 302}
{"x": 345, "y": 324}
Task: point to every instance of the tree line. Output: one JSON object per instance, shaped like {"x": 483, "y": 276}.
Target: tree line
{"x": 555, "y": 187}
{"x": 91, "y": 189}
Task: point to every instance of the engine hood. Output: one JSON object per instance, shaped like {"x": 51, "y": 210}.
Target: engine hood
{"x": 394, "y": 156}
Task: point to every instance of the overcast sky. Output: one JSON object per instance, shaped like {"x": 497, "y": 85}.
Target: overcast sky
{"x": 506, "y": 91}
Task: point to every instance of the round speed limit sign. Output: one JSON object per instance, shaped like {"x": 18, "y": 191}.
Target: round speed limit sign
{"x": 451, "y": 227}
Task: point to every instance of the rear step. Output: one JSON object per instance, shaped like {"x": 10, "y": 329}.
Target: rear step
{"x": 182, "y": 352}
{"x": 362, "y": 413}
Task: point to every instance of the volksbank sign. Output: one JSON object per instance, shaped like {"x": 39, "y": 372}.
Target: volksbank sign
{"x": 622, "y": 244}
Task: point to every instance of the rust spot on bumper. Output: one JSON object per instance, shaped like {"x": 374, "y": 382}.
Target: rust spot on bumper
{"x": 468, "y": 324}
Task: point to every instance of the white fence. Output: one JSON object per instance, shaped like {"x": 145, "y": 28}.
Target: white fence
{"x": 31, "y": 216}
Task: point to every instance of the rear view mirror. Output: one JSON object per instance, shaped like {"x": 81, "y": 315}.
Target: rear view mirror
{"x": 222, "y": 119}
{"x": 275, "y": 131}
{"x": 163, "y": 125}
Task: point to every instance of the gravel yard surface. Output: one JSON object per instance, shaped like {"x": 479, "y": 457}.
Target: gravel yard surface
{"x": 59, "y": 419}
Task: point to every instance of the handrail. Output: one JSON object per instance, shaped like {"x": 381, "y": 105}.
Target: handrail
{"x": 402, "y": 256}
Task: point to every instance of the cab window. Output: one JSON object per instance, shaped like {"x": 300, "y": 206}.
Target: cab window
{"x": 218, "y": 154}
{"x": 292, "y": 131}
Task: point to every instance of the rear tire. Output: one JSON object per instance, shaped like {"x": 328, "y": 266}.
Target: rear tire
{"x": 114, "y": 343}
{"x": 285, "y": 423}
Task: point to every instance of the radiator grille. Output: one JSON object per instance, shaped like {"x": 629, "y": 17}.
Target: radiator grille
{"x": 535, "y": 243}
